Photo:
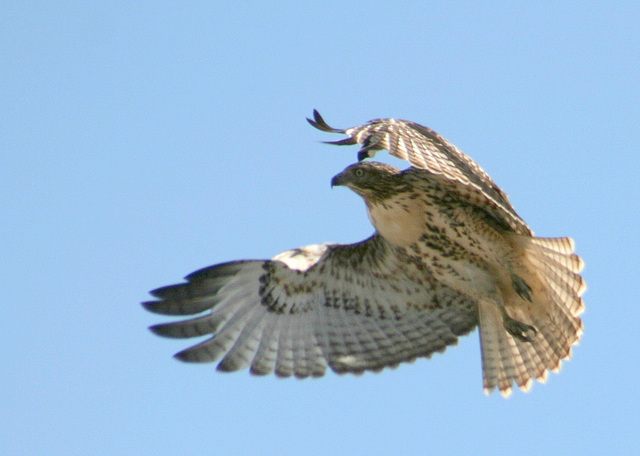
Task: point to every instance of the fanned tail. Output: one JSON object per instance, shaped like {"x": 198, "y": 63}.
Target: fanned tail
{"x": 552, "y": 270}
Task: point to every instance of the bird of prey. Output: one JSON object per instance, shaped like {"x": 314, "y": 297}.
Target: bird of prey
{"x": 449, "y": 253}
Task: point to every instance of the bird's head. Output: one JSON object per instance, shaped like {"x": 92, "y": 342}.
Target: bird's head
{"x": 373, "y": 181}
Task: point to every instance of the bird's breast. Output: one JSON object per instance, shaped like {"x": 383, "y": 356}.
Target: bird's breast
{"x": 400, "y": 220}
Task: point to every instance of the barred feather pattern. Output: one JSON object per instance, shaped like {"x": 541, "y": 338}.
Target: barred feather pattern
{"x": 449, "y": 252}
{"x": 424, "y": 149}
{"x": 351, "y": 308}
{"x": 554, "y": 313}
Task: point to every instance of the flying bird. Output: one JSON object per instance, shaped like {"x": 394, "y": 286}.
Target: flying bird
{"x": 449, "y": 253}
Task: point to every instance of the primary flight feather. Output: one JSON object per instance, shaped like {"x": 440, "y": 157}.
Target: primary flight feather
{"x": 448, "y": 253}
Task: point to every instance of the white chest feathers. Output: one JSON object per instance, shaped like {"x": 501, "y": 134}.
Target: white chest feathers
{"x": 399, "y": 220}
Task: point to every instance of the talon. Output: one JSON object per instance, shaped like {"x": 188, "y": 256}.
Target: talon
{"x": 516, "y": 328}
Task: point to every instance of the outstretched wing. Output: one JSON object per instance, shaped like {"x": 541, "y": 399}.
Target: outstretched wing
{"x": 352, "y": 307}
{"x": 425, "y": 149}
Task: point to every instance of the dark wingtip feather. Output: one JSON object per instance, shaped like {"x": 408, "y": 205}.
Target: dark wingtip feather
{"x": 148, "y": 305}
{"x": 161, "y": 307}
{"x": 181, "y": 357}
{"x": 169, "y": 291}
{"x": 319, "y": 123}
{"x": 188, "y": 356}
{"x": 229, "y": 268}
{"x": 163, "y": 330}
{"x": 177, "y": 307}
{"x": 343, "y": 142}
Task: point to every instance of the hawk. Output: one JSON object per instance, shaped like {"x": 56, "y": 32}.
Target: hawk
{"x": 449, "y": 253}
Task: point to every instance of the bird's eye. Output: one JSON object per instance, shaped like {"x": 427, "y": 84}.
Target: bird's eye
{"x": 359, "y": 172}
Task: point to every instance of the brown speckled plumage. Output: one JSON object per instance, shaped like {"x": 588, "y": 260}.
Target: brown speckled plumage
{"x": 449, "y": 253}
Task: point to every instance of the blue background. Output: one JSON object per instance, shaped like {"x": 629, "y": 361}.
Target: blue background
{"x": 143, "y": 140}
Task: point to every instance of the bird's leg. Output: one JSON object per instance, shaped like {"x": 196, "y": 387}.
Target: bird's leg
{"x": 521, "y": 287}
{"x": 516, "y": 328}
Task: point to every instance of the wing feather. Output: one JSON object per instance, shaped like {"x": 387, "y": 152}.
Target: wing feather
{"x": 246, "y": 345}
{"x": 350, "y": 307}
{"x": 264, "y": 361}
{"x": 426, "y": 150}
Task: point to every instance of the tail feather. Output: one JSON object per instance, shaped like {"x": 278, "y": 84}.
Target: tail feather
{"x": 560, "y": 272}
{"x": 561, "y": 276}
{"x": 502, "y": 360}
{"x": 553, "y": 272}
{"x": 563, "y": 245}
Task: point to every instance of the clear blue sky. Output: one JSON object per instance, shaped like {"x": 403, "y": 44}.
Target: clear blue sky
{"x": 143, "y": 140}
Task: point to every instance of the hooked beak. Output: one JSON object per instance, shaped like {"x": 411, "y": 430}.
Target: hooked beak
{"x": 338, "y": 179}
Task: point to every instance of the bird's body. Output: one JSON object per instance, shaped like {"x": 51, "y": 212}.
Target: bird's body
{"x": 449, "y": 253}
{"x": 461, "y": 243}
{"x": 458, "y": 245}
